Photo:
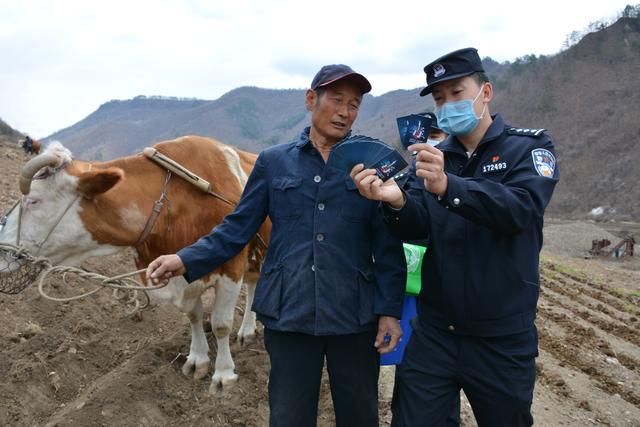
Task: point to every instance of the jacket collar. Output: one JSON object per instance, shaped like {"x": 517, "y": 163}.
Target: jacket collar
{"x": 495, "y": 130}
{"x": 305, "y": 140}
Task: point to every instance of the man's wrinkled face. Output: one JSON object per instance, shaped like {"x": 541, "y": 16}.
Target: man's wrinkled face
{"x": 334, "y": 110}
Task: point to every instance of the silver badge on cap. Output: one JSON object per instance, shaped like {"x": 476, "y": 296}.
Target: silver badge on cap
{"x": 438, "y": 70}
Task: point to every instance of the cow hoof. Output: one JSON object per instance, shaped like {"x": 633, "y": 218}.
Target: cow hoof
{"x": 201, "y": 372}
{"x": 246, "y": 339}
{"x": 198, "y": 370}
{"x": 222, "y": 382}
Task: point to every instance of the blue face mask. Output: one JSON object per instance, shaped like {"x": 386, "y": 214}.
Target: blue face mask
{"x": 433, "y": 142}
{"x": 458, "y": 118}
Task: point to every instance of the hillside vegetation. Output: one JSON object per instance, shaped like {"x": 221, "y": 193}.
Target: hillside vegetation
{"x": 586, "y": 96}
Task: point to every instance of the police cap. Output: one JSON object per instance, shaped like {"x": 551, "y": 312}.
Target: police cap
{"x": 459, "y": 63}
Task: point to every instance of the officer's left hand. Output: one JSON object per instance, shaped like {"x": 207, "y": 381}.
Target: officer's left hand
{"x": 430, "y": 166}
{"x": 387, "y": 326}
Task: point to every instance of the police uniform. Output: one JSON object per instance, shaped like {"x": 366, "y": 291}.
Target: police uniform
{"x": 475, "y": 326}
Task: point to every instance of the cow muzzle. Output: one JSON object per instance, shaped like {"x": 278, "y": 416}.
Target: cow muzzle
{"x": 18, "y": 269}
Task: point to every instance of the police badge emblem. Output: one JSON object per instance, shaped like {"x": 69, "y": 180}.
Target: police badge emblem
{"x": 438, "y": 70}
{"x": 544, "y": 161}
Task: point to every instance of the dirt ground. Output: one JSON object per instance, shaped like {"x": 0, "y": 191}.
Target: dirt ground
{"x": 89, "y": 363}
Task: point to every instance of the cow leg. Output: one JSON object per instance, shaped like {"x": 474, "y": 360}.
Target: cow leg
{"x": 188, "y": 299}
{"x": 227, "y": 292}
{"x": 247, "y": 331}
{"x": 197, "y": 363}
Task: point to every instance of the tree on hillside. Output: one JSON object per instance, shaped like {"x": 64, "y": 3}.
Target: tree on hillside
{"x": 630, "y": 11}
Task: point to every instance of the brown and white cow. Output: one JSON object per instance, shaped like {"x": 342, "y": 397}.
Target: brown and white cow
{"x": 108, "y": 206}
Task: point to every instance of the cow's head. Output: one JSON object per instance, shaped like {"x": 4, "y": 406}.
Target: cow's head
{"x": 53, "y": 186}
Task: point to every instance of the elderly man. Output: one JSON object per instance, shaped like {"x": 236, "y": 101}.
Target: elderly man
{"x": 333, "y": 281}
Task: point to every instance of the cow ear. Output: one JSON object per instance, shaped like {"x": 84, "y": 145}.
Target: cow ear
{"x": 92, "y": 183}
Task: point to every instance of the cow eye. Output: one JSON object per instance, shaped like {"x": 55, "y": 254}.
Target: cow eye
{"x": 43, "y": 173}
{"x": 31, "y": 202}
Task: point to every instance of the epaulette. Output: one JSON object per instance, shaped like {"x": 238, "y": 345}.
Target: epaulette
{"x": 525, "y": 132}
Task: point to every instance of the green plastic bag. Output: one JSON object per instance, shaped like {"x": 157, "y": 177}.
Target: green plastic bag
{"x": 414, "y": 254}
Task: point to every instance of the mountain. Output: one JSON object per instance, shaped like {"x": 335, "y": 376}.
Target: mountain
{"x": 9, "y": 134}
{"x": 586, "y": 96}
{"x": 248, "y": 117}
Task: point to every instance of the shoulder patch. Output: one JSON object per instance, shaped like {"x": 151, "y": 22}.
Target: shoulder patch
{"x": 525, "y": 131}
{"x": 544, "y": 162}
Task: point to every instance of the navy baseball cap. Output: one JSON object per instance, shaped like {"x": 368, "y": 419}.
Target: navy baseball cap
{"x": 459, "y": 63}
{"x": 332, "y": 73}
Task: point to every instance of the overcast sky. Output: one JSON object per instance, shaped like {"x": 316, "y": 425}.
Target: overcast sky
{"x": 61, "y": 59}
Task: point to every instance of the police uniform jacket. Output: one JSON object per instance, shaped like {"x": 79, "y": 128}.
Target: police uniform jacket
{"x": 480, "y": 272}
{"x": 332, "y": 266}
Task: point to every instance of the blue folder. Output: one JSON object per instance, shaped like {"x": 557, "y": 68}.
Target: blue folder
{"x": 409, "y": 311}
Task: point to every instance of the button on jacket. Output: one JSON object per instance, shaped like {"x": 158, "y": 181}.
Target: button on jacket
{"x": 480, "y": 272}
{"x": 332, "y": 266}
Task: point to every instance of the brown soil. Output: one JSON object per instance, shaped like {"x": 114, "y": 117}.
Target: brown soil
{"x": 90, "y": 363}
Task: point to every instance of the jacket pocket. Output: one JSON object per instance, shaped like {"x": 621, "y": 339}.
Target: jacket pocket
{"x": 286, "y": 198}
{"x": 355, "y": 208}
{"x": 366, "y": 291}
{"x": 268, "y": 293}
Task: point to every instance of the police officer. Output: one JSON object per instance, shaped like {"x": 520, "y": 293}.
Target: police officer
{"x": 480, "y": 197}
{"x": 333, "y": 280}
{"x": 436, "y": 135}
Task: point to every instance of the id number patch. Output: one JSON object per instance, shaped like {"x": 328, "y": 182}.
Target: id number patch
{"x": 494, "y": 167}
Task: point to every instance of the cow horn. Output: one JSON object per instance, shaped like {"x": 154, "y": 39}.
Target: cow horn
{"x": 33, "y": 166}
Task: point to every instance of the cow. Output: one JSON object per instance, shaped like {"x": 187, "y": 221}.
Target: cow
{"x": 73, "y": 210}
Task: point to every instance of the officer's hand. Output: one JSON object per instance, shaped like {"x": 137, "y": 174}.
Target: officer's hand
{"x": 372, "y": 187}
{"x": 164, "y": 268}
{"x": 387, "y": 327}
{"x": 430, "y": 166}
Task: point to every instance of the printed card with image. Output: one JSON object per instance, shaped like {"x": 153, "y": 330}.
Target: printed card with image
{"x": 413, "y": 129}
{"x": 390, "y": 165}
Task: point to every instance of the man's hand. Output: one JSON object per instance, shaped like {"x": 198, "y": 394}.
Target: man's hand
{"x": 372, "y": 187}
{"x": 430, "y": 166}
{"x": 387, "y": 327}
{"x": 164, "y": 268}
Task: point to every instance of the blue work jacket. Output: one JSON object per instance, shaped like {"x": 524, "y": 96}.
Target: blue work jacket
{"x": 480, "y": 274}
{"x": 332, "y": 266}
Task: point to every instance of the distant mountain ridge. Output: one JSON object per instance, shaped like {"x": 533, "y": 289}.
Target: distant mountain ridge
{"x": 587, "y": 97}
{"x": 248, "y": 117}
{"x": 9, "y": 134}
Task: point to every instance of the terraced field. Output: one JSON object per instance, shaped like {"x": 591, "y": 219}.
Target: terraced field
{"x": 89, "y": 363}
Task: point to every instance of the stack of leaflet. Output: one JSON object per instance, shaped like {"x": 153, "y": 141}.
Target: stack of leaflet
{"x": 374, "y": 154}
